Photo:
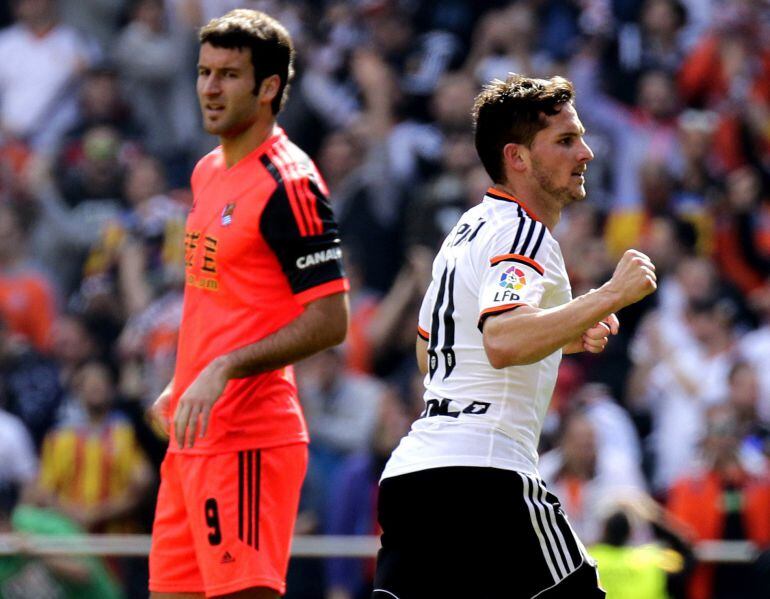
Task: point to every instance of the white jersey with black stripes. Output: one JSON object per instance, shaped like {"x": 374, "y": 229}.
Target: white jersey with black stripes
{"x": 496, "y": 258}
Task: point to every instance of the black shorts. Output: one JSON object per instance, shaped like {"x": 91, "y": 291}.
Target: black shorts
{"x": 477, "y": 533}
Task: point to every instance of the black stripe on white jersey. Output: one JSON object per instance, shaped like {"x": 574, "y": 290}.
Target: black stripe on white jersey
{"x": 532, "y": 226}
{"x": 435, "y": 323}
{"x": 447, "y": 350}
{"x": 519, "y": 230}
{"x": 538, "y": 242}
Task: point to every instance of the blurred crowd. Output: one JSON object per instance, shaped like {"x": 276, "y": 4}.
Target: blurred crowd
{"x": 99, "y": 130}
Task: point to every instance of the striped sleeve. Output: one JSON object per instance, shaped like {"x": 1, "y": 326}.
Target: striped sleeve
{"x": 299, "y": 226}
{"x": 515, "y": 271}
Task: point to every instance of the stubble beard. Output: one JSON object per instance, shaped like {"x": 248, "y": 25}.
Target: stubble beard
{"x": 563, "y": 195}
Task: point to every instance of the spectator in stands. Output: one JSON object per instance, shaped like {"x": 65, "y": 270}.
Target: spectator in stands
{"x": 392, "y": 330}
{"x": 27, "y": 301}
{"x": 38, "y": 85}
{"x": 150, "y": 57}
{"x": 728, "y": 71}
{"x": 631, "y": 227}
{"x": 100, "y": 102}
{"x": 583, "y": 475}
{"x": 91, "y": 467}
{"x": 678, "y": 383}
{"x": 341, "y": 408}
{"x": 643, "y": 133}
{"x": 654, "y": 41}
{"x": 18, "y": 458}
{"x": 30, "y": 384}
{"x": 742, "y": 248}
{"x": 505, "y": 41}
{"x": 723, "y": 501}
{"x": 628, "y": 570}
{"x": 353, "y": 496}
{"x": 753, "y": 431}
{"x": 94, "y": 18}
{"x": 697, "y": 168}
{"x": 28, "y": 575}
{"x": 755, "y": 348}
{"x": 72, "y": 345}
{"x": 97, "y": 172}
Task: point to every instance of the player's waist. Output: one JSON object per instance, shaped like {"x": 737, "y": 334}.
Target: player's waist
{"x": 456, "y": 408}
{"x": 444, "y": 443}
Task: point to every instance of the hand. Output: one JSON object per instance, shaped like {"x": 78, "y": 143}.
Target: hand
{"x": 196, "y": 403}
{"x": 595, "y": 339}
{"x": 158, "y": 413}
{"x": 634, "y": 278}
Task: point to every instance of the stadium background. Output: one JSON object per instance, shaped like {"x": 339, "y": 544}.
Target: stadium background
{"x": 99, "y": 130}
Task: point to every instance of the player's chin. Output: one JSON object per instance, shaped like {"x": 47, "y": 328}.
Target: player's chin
{"x": 213, "y": 127}
{"x": 578, "y": 193}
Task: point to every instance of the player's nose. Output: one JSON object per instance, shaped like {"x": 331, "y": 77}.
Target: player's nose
{"x": 211, "y": 86}
{"x": 585, "y": 153}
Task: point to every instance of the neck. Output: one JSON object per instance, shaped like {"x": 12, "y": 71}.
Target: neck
{"x": 41, "y": 26}
{"x": 545, "y": 210}
{"x": 242, "y": 144}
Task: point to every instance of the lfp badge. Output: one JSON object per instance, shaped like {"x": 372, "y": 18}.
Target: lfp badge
{"x": 513, "y": 278}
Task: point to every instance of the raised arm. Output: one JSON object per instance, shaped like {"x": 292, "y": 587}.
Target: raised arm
{"x": 528, "y": 334}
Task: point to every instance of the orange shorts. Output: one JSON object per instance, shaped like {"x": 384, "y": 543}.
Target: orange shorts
{"x": 224, "y": 522}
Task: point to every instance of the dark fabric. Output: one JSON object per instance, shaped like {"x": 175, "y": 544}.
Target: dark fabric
{"x": 465, "y": 532}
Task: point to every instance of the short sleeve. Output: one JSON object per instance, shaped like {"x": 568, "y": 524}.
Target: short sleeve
{"x": 298, "y": 225}
{"x": 513, "y": 276}
{"x": 423, "y": 324}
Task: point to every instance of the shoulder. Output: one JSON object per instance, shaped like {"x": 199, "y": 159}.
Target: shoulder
{"x": 290, "y": 165}
{"x": 207, "y": 166}
{"x": 514, "y": 235}
{"x": 211, "y": 161}
{"x": 10, "y": 34}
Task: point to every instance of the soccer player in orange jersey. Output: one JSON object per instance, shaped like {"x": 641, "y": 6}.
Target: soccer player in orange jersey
{"x": 264, "y": 288}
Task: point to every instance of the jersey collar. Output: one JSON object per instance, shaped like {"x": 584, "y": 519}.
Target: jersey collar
{"x": 496, "y": 194}
{"x": 274, "y": 137}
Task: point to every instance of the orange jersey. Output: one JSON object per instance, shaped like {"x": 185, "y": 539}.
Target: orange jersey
{"x": 260, "y": 243}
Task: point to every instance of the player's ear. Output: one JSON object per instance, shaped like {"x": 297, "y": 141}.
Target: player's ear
{"x": 515, "y": 157}
{"x": 268, "y": 89}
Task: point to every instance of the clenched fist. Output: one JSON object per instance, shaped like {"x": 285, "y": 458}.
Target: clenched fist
{"x": 634, "y": 278}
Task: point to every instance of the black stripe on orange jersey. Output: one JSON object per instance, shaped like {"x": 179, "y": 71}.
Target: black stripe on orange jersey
{"x": 306, "y": 260}
{"x": 249, "y": 486}
{"x": 285, "y": 180}
{"x": 293, "y": 180}
{"x": 257, "y": 457}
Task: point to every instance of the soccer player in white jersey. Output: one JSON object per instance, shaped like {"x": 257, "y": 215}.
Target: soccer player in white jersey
{"x": 463, "y": 510}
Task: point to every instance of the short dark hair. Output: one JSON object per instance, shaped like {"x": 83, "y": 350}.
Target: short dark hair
{"x": 513, "y": 111}
{"x": 272, "y": 51}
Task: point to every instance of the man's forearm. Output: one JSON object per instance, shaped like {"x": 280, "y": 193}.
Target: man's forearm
{"x": 323, "y": 324}
{"x": 527, "y": 335}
